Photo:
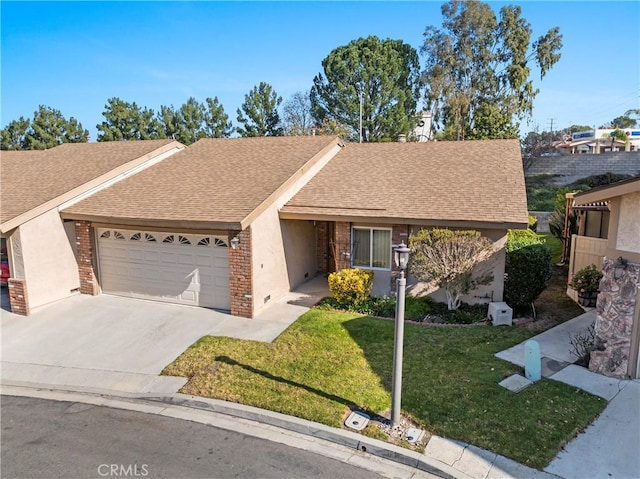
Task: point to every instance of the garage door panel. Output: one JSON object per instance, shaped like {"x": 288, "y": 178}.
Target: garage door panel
{"x": 176, "y": 272}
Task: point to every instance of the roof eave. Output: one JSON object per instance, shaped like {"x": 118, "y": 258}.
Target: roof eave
{"x": 157, "y": 224}
{"x": 431, "y": 222}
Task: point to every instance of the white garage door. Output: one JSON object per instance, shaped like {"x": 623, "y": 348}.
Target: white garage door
{"x": 173, "y": 267}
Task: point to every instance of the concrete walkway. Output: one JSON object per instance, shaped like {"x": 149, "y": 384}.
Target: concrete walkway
{"x": 610, "y": 446}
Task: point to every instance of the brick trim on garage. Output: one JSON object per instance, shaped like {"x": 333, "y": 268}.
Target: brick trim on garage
{"x": 18, "y": 297}
{"x": 86, "y": 259}
{"x": 241, "y": 274}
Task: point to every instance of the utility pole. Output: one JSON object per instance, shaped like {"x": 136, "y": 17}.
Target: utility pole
{"x": 359, "y": 87}
{"x": 551, "y": 125}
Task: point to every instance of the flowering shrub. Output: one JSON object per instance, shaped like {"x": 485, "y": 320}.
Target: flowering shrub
{"x": 587, "y": 280}
{"x": 351, "y": 287}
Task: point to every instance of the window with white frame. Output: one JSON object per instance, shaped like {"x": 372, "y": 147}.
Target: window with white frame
{"x": 371, "y": 247}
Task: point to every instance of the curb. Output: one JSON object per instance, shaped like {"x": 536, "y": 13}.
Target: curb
{"x": 302, "y": 426}
{"x": 156, "y": 404}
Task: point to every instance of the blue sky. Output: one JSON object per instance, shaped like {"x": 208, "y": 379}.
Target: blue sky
{"x": 73, "y": 56}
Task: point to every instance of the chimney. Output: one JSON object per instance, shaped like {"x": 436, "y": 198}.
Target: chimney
{"x": 402, "y": 138}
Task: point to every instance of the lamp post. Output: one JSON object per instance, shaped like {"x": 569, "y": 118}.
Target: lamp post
{"x": 401, "y": 258}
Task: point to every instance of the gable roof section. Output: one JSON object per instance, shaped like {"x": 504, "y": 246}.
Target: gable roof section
{"x": 603, "y": 193}
{"x": 218, "y": 183}
{"x": 480, "y": 183}
{"x": 36, "y": 181}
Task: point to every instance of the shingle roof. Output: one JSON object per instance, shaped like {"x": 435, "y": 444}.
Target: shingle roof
{"x": 32, "y": 178}
{"x": 470, "y": 181}
{"x": 212, "y": 181}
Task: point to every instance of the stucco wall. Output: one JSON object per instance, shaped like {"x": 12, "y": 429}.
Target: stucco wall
{"x": 299, "y": 238}
{"x": 628, "y": 235}
{"x": 270, "y": 279}
{"x": 483, "y": 294}
{"x": 49, "y": 265}
{"x": 270, "y": 263}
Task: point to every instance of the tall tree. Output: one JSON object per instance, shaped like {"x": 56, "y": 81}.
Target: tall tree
{"x": 14, "y": 135}
{"x": 627, "y": 120}
{"x": 194, "y": 120}
{"x": 217, "y": 124}
{"x": 384, "y": 72}
{"x": 47, "y": 129}
{"x": 478, "y": 69}
{"x": 261, "y": 109}
{"x": 127, "y": 121}
{"x": 296, "y": 115}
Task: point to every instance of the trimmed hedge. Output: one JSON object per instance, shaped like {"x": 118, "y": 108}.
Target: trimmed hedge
{"x": 527, "y": 267}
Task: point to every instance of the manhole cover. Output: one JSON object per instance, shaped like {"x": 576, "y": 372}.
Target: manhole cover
{"x": 357, "y": 420}
{"x": 414, "y": 435}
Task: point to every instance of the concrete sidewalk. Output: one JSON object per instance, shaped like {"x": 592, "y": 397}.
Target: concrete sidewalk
{"x": 610, "y": 446}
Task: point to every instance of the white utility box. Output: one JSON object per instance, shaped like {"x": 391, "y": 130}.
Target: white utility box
{"x": 500, "y": 314}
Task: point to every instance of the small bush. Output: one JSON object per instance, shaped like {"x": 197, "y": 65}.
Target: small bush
{"x": 351, "y": 287}
{"x": 527, "y": 267}
{"x": 587, "y": 280}
{"x": 465, "y": 314}
{"x": 533, "y": 223}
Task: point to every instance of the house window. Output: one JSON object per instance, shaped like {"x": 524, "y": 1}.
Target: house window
{"x": 220, "y": 243}
{"x": 371, "y": 248}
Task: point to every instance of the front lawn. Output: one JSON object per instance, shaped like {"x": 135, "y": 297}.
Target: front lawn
{"x": 328, "y": 362}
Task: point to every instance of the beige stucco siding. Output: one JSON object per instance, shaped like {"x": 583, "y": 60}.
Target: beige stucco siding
{"x": 272, "y": 265}
{"x": 299, "y": 239}
{"x": 483, "y": 294}
{"x": 48, "y": 262}
{"x": 628, "y": 234}
{"x": 270, "y": 280}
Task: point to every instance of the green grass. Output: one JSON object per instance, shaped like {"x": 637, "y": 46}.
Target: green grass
{"x": 328, "y": 362}
{"x": 555, "y": 244}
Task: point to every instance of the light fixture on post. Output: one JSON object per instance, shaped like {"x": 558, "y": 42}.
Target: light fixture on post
{"x": 235, "y": 241}
{"x": 619, "y": 267}
{"x": 401, "y": 258}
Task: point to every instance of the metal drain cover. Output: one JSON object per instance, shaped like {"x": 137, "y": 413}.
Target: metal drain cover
{"x": 357, "y": 420}
{"x": 414, "y": 435}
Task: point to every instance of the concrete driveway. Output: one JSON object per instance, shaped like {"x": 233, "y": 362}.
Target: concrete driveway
{"x": 110, "y": 343}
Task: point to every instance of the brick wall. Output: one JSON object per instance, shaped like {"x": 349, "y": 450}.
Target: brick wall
{"x": 86, "y": 265}
{"x": 575, "y": 167}
{"x": 322, "y": 246}
{"x": 342, "y": 241}
{"x": 241, "y": 275}
{"x": 18, "y": 296}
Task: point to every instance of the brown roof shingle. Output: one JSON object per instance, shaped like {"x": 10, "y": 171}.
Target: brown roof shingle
{"x": 217, "y": 181}
{"x": 470, "y": 181}
{"x": 32, "y": 178}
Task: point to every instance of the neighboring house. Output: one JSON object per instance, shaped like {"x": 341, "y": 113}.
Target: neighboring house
{"x": 36, "y": 185}
{"x": 235, "y": 224}
{"x": 618, "y": 235}
{"x": 374, "y": 195}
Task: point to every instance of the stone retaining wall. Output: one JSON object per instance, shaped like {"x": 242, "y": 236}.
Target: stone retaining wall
{"x": 614, "y": 322}
{"x": 575, "y": 167}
